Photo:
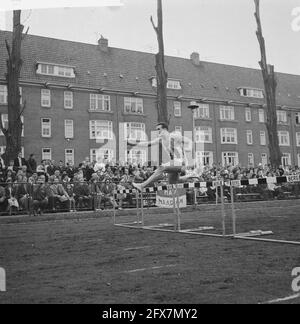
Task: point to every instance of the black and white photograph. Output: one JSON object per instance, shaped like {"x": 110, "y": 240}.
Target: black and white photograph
{"x": 149, "y": 155}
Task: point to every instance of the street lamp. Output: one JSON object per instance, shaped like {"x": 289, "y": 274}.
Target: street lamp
{"x": 193, "y": 105}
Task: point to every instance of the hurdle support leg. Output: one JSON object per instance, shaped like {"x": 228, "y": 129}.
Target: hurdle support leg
{"x": 178, "y": 214}
{"x": 233, "y": 210}
{"x": 222, "y": 210}
{"x": 142, "y": 208}
{"x": 114, "y": 209}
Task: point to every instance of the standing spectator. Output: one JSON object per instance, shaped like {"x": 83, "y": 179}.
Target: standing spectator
{"x": 31, "y": 163}
{"x": 51, "y": 168}
{"x": 61, "y": 168}
{"x": 19, "y": 162}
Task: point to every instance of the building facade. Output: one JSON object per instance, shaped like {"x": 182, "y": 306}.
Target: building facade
{"x": 82, "y": 100}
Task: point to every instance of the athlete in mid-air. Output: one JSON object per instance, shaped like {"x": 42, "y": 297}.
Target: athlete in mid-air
{"x": 176, "y": 146}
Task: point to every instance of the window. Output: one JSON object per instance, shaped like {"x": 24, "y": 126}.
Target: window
{"x": 284, "y": 138}
{"x": 248, "y": 116}
{"x": 249, "y": 137}
{"x": 69, "y": 128}
{"x": 3, "y": 94}
{"x": 46, "y": 154}
{"x": 177, "y": 109}
{"x": 69, "y": 156}
{"x": 171, "y": 84}
{"x": 261, "y": 115}
{"x": 46, "y": 127}
{"x": 286, "y": 159}
{"x": 174, "y": 84}
{"x": 135, "y": 131}
{"x": 253, "y": 93}
{"x": 133, "y": 105}
{"x": 46, "y": 98}
{"x": 178, "y": 129}
{"x": 202, "y": 112}
{"x": 250, "y": 159}
{"x": 99, "y": 102}
{"x": 204, "y": 158}
{"x": 3, "y": 148}
{"x": 298, "y": 155}
{"x": 281, "y": 117}
{"x": 98, "y": 155}
{"x": 55, "y": 70}
{"x": 298, "y": 139}
{"x": 68, "y": 99}
{"x": 4, "y": 118}
{"x": 231, "y": 158}
{"x": 226, "y": 113}
{"x": 262, "y": 135}
{"x": 228, "y": 136}
{"x": 135, "y": 156}
{"x": 101, "y": 129}
{"x": 264, "y": 159}
{"x": 297, "y": 118}
{"x": 203, "y": 134}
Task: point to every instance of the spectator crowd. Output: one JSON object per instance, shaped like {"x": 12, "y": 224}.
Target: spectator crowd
{"x": 49, "y": 186}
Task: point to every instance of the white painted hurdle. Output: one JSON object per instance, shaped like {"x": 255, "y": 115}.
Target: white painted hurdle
{"x": 252, "y": 235}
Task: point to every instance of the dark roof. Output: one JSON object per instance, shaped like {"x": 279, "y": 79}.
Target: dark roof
{"x": 211, "y": 80}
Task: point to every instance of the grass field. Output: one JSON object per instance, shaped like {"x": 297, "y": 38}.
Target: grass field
{"x": 85, "y": 259}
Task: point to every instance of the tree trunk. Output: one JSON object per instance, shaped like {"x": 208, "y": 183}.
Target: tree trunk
{"x": 14, "y": 64}
{"x": 161, "y": 74}
{"x": 270, "y": 84}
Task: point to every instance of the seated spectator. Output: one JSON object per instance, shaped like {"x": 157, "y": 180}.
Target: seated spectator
{"x": 83, "y": 197}
{"x": 21, "y": 191}
{"x": 58, "y": 196}
{"x": 107, "y": 193}
{"x": 40, "y": 195}
{"x": 13, "y": 204}
{"x": 95, "y": 191}
{"x": 69, "y": 187}
{"x": 3, "y": 199}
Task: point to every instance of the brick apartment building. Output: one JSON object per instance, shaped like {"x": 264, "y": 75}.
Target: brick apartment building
{"x": 81, "y": 98}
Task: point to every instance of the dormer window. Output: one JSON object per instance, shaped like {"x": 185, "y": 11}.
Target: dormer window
{"x": 251, "y": 93}
{"x": 171, "y": 84}
{"x": 56, "y": 70}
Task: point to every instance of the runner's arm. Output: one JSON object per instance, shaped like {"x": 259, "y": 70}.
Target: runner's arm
{"x": 144, "y": 143}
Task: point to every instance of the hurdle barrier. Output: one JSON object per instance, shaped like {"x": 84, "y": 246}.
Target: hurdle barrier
{"x": 254, "y": 235}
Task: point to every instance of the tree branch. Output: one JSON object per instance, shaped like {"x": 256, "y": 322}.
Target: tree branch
{"x": 8, "y": 49}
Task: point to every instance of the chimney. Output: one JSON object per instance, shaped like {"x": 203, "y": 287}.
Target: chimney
{"x": 195, "y": 57}
{"x": 103, "y": 44}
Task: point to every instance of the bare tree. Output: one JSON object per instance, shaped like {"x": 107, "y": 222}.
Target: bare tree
{"x": 162, "y": 76}
{"x": 270, "y": 84}
{"x": 14, "y": 64}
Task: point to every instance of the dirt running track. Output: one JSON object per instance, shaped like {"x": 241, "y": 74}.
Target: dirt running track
{"x": 92, "y": 261}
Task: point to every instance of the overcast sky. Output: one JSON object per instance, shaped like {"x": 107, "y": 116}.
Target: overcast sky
{"x": 220, "y": 30}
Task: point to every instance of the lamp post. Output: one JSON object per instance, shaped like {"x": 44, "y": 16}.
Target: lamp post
{"x": 193, "y": 105}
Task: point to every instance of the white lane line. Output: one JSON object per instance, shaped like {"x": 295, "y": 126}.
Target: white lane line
{"x": 278, "y": 300}
{"x": 137, "y": 248}
{"x": 152, "y": 268}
